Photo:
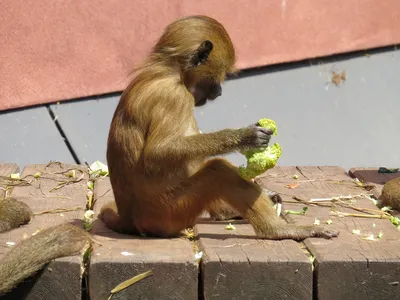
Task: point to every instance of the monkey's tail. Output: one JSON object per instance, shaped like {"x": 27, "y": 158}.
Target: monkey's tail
{"x": 32, "y": 254}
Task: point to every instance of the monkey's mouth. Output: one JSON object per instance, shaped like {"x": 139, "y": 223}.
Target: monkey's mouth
{"x": 201, "y": 102}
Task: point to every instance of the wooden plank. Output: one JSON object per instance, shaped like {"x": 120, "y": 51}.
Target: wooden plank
{"x": 6, "y": 169}
{"x": 347, "y": 267}
{"x": 120, "y": 257}
{"x": 236, "y": 265}
{"x": 371, "y": 175}
{"x": 61, "y": 279}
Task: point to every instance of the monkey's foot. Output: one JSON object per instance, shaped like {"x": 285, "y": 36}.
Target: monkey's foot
{"x": 323, "y": 232}
{"x": 274, "y": 196}
{"x": 298, "y": 233}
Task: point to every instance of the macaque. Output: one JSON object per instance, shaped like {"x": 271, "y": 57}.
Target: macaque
{"x": 163, "y": 171}
{"x": 28, "y": 256}
{"x": 391, "y": 194}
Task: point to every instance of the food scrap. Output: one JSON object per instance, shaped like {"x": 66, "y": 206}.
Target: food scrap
{"x": 261, "y": 159}
{"x": 98, "y": 169}
{"x": 90, "y": 185}
{"x": 278, "y": 208}
{"x": 369, "y": 238}
{"x": 198, "y": 255}
{"x": 15, "y": 176}
{"x": 71, "y": 173}
{"x": 293, "y": 212}
{"x": 230, "y": 227}
{"x": 292, "y": 186}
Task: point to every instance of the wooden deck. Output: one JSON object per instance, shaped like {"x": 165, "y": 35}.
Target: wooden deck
{"x": 234, "y": 264}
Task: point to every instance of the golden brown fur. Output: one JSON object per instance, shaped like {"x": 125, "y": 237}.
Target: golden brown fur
{"x": 391, "y": 194}
{"x": 13, "y": 213}
{"x": 157, "y": 158}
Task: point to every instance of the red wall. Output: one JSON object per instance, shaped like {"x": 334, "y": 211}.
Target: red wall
{"x": 53, "y": 50}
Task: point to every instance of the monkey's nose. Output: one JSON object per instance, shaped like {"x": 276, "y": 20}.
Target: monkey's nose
{"x": 214, "y": 96}
{"x": 216, "y": 93}
{"x": 219, "y": 91}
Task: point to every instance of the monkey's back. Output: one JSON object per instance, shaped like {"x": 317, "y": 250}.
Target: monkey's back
{"x": 147, "y": 117}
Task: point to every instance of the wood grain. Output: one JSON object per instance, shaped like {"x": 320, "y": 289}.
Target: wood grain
{"x": 236, "y": 265}
{"x": 6, "y": 169}
{"x": 120, "y": 257}
{"x": 61, "y": 278}
{"x": 371, "y": 175}
{"x": 347, "y": 267}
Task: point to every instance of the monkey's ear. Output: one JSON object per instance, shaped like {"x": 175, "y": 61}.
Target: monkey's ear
{"x": 201, "y": 54}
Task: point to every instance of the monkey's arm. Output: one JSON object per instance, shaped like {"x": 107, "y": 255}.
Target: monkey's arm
{"x": 170, "y": 140}
{"x": 223, "y": 142}
{"x": 175, "y": 149}
{"x": 30, "y": 255}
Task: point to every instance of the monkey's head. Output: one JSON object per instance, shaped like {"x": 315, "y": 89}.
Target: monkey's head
{"x": 202, "y": 49}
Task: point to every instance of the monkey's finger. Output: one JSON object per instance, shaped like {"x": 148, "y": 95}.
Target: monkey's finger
{"x": 265, "y": 137}
{"x": 253, "y": 125}
{"x": 265, "y": 130}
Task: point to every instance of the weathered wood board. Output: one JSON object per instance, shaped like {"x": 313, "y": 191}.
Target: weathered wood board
{"x": 371, "y": 175}
{"x": 121, "y": 257}
{"x": 347, "y": 267}
{"x": 6, "y": 169}
{"x": 236, "y": 265}
{"x": 60, "y": 279}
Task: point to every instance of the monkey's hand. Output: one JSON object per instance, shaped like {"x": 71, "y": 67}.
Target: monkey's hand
{"x": 256, "y": 137}
{"x": 262, "y": 157}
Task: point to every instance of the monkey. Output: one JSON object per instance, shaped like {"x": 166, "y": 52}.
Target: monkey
{"x": 164, "y": 174}
{"x": 390, "y": 195}
{"x": 13, "y": 213}
{"x": 30, "y": 255}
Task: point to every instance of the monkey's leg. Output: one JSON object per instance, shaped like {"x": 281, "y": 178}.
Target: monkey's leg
{"x": 219, "y": 210}
{"x": 274, "y": 196}
{"x": 218, "y": 179}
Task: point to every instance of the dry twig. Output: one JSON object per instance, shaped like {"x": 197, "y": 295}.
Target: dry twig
{"x": 129, "y": 282}
{"x": 58, "y": 210}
